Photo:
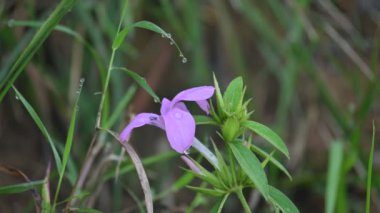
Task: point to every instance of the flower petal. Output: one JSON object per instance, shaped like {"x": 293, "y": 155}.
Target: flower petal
{"x": 141, "y": 120}
{"x": 203, "y": 104}
{"x": 194, "y": 94}
{"x": 180, "y": 129}
{"x": 165, "y": 106}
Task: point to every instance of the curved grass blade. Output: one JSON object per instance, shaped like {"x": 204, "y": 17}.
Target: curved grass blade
{"x": 18, "y": 188}
{"x": 268, "y": 135}
{"x": 281, "y": 201}
{"x": 251, "y": 166}
{"x": 141, "y": 174}
{"x": 41, "y": 126}
{"x": 41, "y": 35}
{"x": 153, "y": 27}
{"x": 140, "y": 81}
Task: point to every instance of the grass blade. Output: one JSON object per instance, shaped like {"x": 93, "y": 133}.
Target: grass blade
{"x": 142, "y": 176}
{"x": 18, "y": 188}
{"x": 68, "y": 144}
{"x": 153, "y": 27}
{"x": 369, "y": 173}
{"x": 41, "y": 35}
{"x": 335, "y": 163}
{"x": 41, "y": 126}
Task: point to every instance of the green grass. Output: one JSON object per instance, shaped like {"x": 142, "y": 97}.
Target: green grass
{"x": 297, "y": 73}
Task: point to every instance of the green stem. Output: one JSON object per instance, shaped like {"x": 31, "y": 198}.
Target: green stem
{"x": 241, "y": 197}
{"x": 109, "y": 70}
{"x": 105, "y": 89}
{"x": 232, "y": 162}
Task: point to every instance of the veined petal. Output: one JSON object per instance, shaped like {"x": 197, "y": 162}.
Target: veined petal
{"x": 141, "y": 120}
{"x": 180, "y": 129}
{"x": 194, "y": 94}
{"x": 203, "y": 104}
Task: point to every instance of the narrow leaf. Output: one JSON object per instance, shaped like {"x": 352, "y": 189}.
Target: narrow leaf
{"x": 281, "y": 201}
{"x": 21, "y": 187}
{"x": 268, "y": 135}
{"x": 369, "y": 173}
{"x": 150, "y": 26}
{"x": 335, "y": 164}
{"x": 206, "y": 191}
{"x": 273, "y": 160}
{"x": 251, "y": 166}
{"x": 140, "y": 81}
{"x": 41, "y": 126}
{"x": 120, "y": 38}
{"x": 204, "y": 120}
{"x": 69, "y": 142}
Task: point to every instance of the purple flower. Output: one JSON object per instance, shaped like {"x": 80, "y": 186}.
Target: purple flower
{"x": 175, "y": 118}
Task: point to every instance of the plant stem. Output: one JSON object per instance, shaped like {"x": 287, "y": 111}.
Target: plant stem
{"x": 241, "y": 197}
{"x": 105, "y": 89}
{"x": 232, "y": 162}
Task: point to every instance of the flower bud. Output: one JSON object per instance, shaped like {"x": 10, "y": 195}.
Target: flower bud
{"x": 231, "y": 129}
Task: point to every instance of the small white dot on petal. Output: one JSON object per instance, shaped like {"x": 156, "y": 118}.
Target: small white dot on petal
{"x": 177, "y": 115}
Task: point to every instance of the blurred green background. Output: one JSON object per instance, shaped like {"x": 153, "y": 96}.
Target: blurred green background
{"x": 311, "y": 67}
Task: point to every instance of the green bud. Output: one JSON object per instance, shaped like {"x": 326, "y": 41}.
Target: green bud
{"x": 231, "y": 129}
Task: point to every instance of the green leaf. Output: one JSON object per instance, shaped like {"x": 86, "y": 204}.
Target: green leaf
{"x": 41, "y": 126}
{"x": 335, "y": 164}
{"x": 41, "y": 35}
{"x": 233, "y": 96}
{"x": 140, "y": 81}
{"x": 251, "y": 166}
{"x": 153, "y": 27}
{"x": 150, "y": 26}
{"x": 120, "y": 38}
{"x": 268, "y": 135}
{"x": 204, "y": 120}
{"x": 212, "y": 192}
{"x": 18, "y": 188}
{"x": 69, "y": 142}
{"x": 369, "y": 173}
{"x": 273, "y": 160}
{"x": 281, "y": 201}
